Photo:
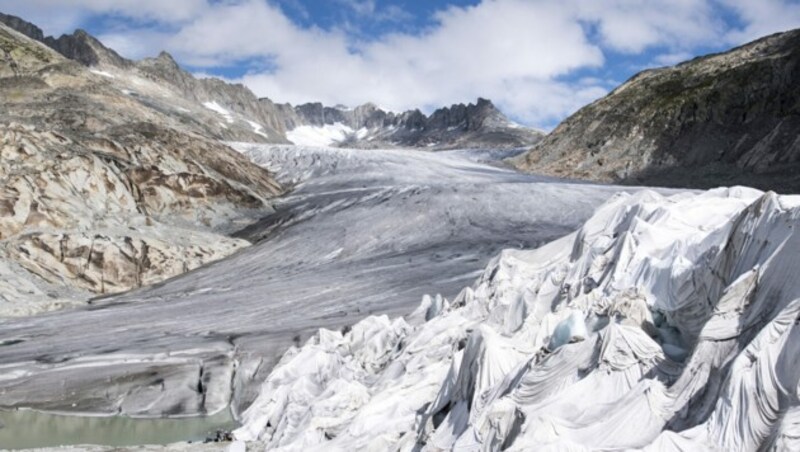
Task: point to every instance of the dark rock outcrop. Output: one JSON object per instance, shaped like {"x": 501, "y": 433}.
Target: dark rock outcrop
{"x": 84, "y": 48}
{"x": 724, "y": 119}
{"x": 28, "y": 29}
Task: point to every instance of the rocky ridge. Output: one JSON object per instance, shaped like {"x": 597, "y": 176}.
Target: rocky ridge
{"x": 247, "y": 118}
{"x": 479, "y": 125}
{"x": 225, "y": 111}
{"x": 724, "y": 119}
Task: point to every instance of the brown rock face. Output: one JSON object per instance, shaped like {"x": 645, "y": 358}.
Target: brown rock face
{"x": 102, "y": 191}
{"x": 725, "y": 119}
{"x": 108, "y": 263}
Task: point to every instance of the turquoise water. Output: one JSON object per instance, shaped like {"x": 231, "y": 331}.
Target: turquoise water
{"x": 22, "y": 429}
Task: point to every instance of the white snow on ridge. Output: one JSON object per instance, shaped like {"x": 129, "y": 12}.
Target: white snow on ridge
{"x": 321, "y": 136}
{"x": 258, "y": 128}
{"x": 214, "y": 106}
{"x": 664, "y": 323}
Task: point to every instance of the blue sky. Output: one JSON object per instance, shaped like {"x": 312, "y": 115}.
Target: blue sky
{"x": 538, "y": 60}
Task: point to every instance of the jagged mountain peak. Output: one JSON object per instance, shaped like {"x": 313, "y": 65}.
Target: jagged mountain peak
{"x": 478, "y": 124}
{"x": 473, "y": 117}
{"x": 227, "y": 111}
{"x": 86, "y": 49}
{"x": 165, "y": 58}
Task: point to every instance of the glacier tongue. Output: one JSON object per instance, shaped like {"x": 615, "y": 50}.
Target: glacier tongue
{"x": 664, "y": 323}
{"x": 361, "y": 233}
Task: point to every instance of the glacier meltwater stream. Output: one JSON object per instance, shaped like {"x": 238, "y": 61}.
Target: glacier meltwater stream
{"x": 361, "y": 233}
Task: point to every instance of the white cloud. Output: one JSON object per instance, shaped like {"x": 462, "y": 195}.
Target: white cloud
{"x": 762, "y": 17}
{"x": 520, "y": 53}
{"x": 634, "y": 25}
{"x": 510, "y": 51}
{"x": 370, "y": 10}
{"x": 669, "y": 59}
{"x": 58, "y": 16}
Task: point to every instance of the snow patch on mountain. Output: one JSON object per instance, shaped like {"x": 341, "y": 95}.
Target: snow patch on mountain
{"x": 257, "y": 128}
{"x": 664, "y": 323}
{"x": 326, "y": 135}
{"x": 216, "y": 107}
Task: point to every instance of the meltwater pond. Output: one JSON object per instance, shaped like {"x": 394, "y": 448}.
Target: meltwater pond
{"x": 22, "y": 429}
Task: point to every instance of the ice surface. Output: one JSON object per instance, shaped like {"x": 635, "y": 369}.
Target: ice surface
{"x": 362, "y": 232}
{"x": 663, "y": 323}
{"x": 571, "y": 329}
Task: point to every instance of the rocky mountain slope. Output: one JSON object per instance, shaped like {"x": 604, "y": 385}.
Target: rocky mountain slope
{"x": 479, "y": 125}
{"x": 730, "y": 118}
{"x": 104, "y": 188}
{"x": 222, "y": 110}
{"x": 247, "y": 118}
{"x": 664, "y": 323}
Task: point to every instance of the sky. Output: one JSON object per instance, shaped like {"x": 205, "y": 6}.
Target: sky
{"x": 538, "y": 60}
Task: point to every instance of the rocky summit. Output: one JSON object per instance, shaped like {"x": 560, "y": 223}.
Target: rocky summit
{"x": 724, "y": 119}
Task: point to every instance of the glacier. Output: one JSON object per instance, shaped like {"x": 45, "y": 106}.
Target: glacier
{"x": 607, "y": 318}
{"x": 665, "y": 322}
{"x": 361, "y": 233}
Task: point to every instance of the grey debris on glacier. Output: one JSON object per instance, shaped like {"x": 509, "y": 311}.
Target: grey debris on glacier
{"x": 361, "y": 233}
